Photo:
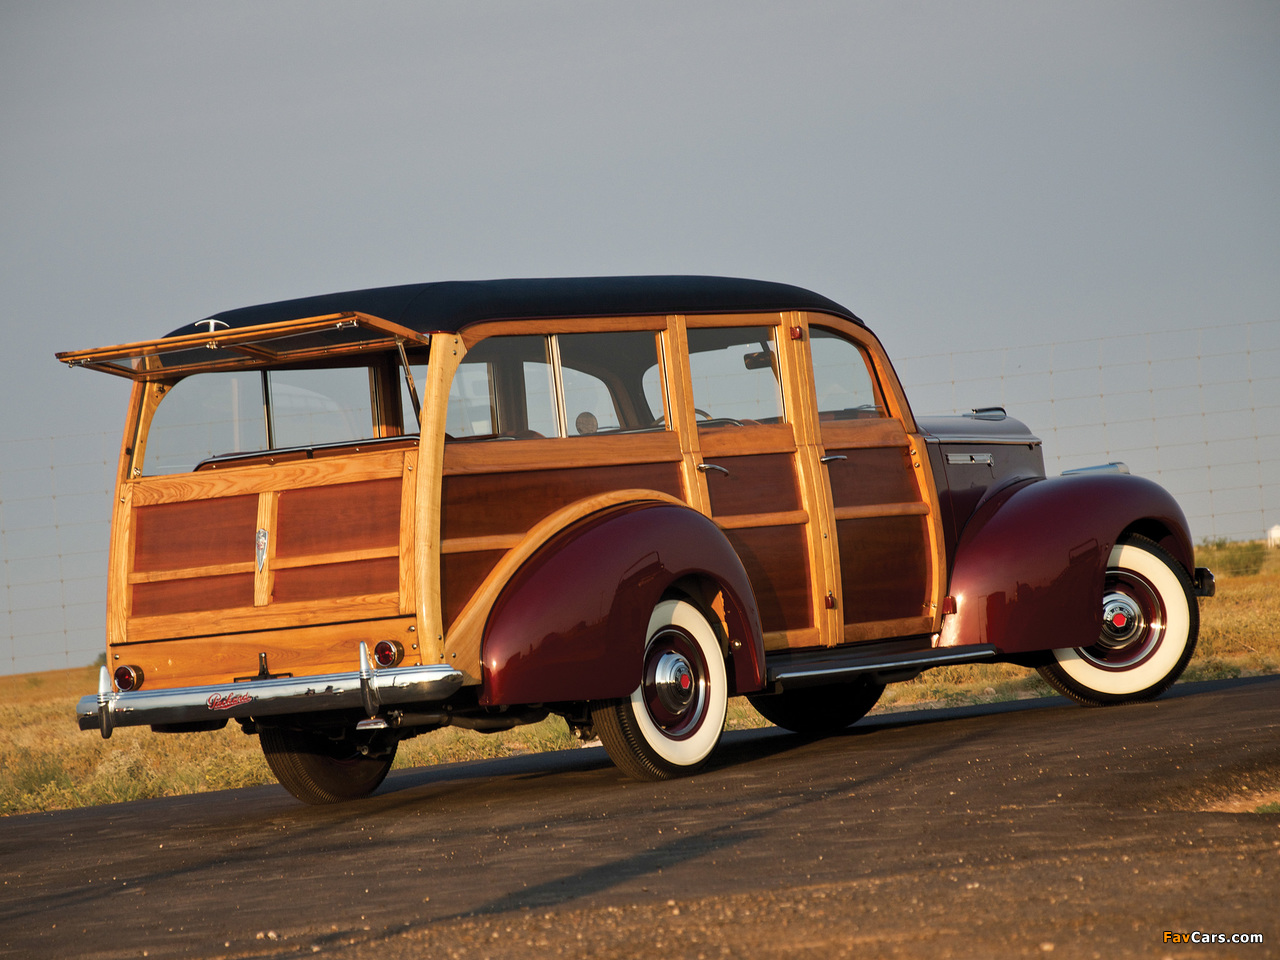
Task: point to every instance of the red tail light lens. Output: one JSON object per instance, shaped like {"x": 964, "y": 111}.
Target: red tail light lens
{"x": 387, "y": 653}
{"x": 128, "y": 678}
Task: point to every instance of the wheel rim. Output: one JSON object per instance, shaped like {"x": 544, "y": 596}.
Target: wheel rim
{"x": 1134, "y": 621}
{"x": 674, "y": 687}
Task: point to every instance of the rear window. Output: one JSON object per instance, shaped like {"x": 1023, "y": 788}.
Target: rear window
{"x": 222, "y": 414}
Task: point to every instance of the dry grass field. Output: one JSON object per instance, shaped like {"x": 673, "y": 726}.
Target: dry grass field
{"x": 46, "y": 763}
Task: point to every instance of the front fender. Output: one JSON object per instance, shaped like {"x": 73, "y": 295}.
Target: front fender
{"x": 1030, "y": 563}
{"x": 570, "y": 624}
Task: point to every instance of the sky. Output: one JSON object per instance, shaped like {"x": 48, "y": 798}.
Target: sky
{"x": 969, "y": 177}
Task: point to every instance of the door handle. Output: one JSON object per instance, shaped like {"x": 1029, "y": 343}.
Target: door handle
{"x": 705, "y": 467}
{"x": 833, "y": 457}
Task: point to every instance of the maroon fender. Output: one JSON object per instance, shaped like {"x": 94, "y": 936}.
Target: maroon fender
{"x": 570, "y": 625}
{"x": 1031, "y": 561}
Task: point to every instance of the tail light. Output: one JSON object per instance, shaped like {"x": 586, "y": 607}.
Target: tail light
{"x": 387, "y": 653}
{"x": 128, "y": 678}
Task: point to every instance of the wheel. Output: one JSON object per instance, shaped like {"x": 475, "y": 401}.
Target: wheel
{"x": 671, "y": 723}
{"x": 816, "y": 711}
{"x": 1150, "y": 622}
{"x": 318, "y": 769}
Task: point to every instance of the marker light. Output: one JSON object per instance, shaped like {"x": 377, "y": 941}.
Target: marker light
{"x": 387, "y": 653}
{"x": 128, "y": 678}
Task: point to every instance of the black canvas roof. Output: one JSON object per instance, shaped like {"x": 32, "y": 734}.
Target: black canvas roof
{"x": 448, "y": 306}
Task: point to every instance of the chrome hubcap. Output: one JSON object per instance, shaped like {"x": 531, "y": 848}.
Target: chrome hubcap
{"x": 1121, "y": 620}
{"x": 673, "y": 682}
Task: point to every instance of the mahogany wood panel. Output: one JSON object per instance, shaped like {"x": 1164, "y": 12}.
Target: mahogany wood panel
{"x": 884, "y": 567}
{"x": 870, "y": 476}
{"x": 777, "y": 562}
{"x": 332, "y": 580}
{"x": 198, "y": 534}
{"x": 755, "y": 484}
{"x": 461, "y": 575}
{"x": 192, "y": 596}
{"x": 351, "y": 516}
{"x": 502, "y": 503}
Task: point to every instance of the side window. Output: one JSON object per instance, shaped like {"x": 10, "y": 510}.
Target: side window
{"x": 503, "y": 388}
{"x": 842, "y": 374}
{"x": 573, "y": 385}
{"x": 735, "y": 376}
{"x": 604, "y": 377}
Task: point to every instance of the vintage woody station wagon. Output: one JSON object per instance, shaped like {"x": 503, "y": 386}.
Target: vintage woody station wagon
{"x": 351, "y": 519}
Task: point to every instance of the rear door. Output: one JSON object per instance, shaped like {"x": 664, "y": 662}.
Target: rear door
{"x": 755, "y": 467}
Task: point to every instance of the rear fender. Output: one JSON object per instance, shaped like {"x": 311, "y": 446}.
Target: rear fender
{"x": 570, "y": 624}
{"x": 1031, "y": 561}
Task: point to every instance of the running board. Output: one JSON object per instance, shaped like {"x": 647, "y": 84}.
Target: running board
{"x": 822, "y": 667}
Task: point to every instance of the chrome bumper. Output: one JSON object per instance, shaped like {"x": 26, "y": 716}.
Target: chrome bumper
{"x": 366, "y": 690}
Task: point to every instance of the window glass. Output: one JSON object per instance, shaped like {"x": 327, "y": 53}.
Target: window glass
{"x": 203, "y": 416}
{"x": 539, "y": 398}
{"x": 471, "y": 411}
{"x": 506, "y": 386}
{"x": 651, "y": 387}
{"x": 604, "y": 376}
{"x": 735, "y": 376}
{"x": 846, "y": 387}
{"x": 503, "y": 388}
{"x": 216, "y": 414}
{"x": 311, "y": 407}
{"x": 590, "y": 397}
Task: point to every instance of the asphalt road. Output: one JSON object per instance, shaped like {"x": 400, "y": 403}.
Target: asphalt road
{"x": 1013, "y": 830}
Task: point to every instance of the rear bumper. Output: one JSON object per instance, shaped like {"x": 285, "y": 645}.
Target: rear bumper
{"x": 365, "y": 690}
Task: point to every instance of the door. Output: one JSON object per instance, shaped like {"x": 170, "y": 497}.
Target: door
{"x": 745, "y": 445}
{"x": 885, "y": 530}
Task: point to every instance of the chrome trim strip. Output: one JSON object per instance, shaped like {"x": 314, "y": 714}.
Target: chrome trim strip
{"x": 1115, "y": 466}
{"x": 950, "y": 440}
{"x": 260, "y": 698}
{"x": 804, "y": 675}
{"x": 983, "y": 458}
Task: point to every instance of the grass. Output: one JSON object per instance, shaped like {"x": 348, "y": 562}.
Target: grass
{"x": 48, "y": 764}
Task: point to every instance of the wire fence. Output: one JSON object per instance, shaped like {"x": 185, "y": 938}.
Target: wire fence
{"x": 1194, "y": 410}
{"x": 55, "y": 520}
